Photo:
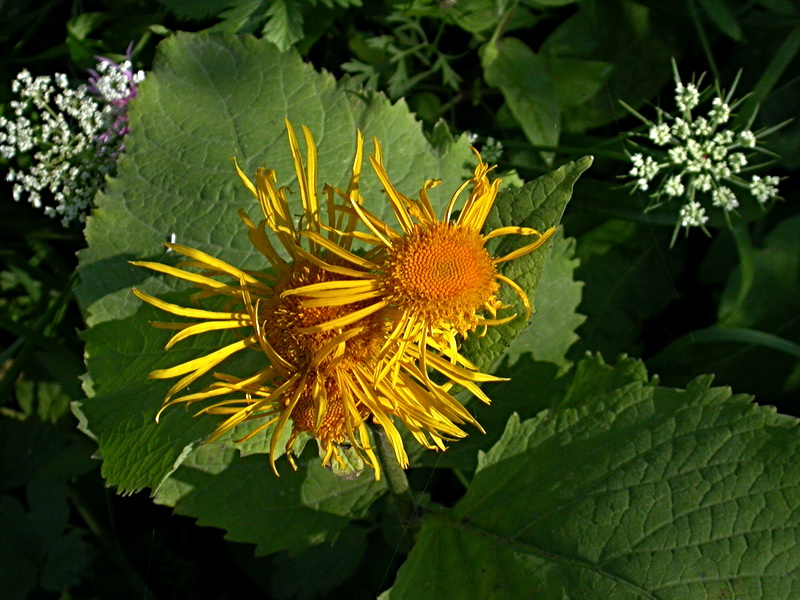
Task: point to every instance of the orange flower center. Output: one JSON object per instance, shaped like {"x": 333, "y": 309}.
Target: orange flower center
{"x": 281, "y": 317}
{"x": 440, "y": 272}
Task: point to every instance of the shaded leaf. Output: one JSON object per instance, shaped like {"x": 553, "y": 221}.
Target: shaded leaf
{"x": 333, "y": 564}
{"x": 627, "y": 271}
{"x": 521, "y": 76}
{"x": 68, "y": 560}
{"x": 622, "y": 34}
{"x": 241, "y": 495}
{"x": 197, "y": 9}
{"x": 754, "y": 345}
{"x": 722, "y": 16}
{"x": 575, "y": 80}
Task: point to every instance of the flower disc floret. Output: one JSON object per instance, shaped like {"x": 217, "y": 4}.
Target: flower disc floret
{"x": 441, "y": 273}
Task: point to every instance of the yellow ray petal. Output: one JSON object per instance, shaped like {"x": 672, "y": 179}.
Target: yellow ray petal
{"x": 213, "y": 263}
{"x": 327, "y": 288}
{"x": 201, "y": 280}
{"x": 395, "y": 198}
{"x": 519, "y": 291}
{"x": 181, "y": 311}
{"x": 287, "y": 412}
{"x": 337, "y": 250}
{"x": 331, "y": 345}
{"x": 313, "y": 259}
{"x": 198, "y": 328}
{"x": 340, "y": 299}
{"x": 511, "y": 230}
{"x": 345, "y": 320}
{"x": 245, "y": 180}
{"x": 204, "y": 363}
{"x": 526, "y": 249}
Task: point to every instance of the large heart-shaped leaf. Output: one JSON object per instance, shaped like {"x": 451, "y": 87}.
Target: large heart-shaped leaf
{"x": 627, "y": 490}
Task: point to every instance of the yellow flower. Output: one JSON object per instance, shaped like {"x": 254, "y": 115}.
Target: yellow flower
{"x": 321, "y": 354}
{"x": 435, "y": 275}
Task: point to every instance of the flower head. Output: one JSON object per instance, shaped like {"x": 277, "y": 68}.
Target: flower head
{"x": 765, "y": 188}
{"x": 66, "y": 138}
{"x": 699, "y": 159}
{"x": 436, "y": 277}
{"x": 345, "y": 337}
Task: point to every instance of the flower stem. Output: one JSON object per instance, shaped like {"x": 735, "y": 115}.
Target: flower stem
{"x": 408, "y": 511}
{"x": 395, "y": 476}
{"x": 701, "y": 33}
{"x": 744, "y": 247}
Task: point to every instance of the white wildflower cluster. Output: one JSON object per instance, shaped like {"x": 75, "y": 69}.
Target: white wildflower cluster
{"x": 698, "y": 155}
{"x": 63, "y": 139}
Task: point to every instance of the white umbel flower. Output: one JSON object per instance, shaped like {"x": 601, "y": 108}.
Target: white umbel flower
{"x": 747, "y": 138}
{"x": 660, "y": 134}
{"x": 702, "y": 127}
{"x": 720, "y": 112}
{"x": 724, "y": 198}
{"x": 764, "y": 188}
{"x": 703, "y": 182}
{"x": 65, "y": 138}
{"x": 693, "y": 215}
{"x": 674, "y": 186}
{"x": 686, "y": 97}
{"x": 700, "y": 158}
{"x": 737, "y": 161}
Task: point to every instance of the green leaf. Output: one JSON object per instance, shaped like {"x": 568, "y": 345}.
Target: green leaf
{"x": 474, "y": 16}
{"x": 525, "y": 348}
{"x": 773, "y": 297}
{"x": 622, "y": 34}
{"x": 284, "y": 23}
{"x": 531, "y": 387}
{"x": 210, "y": 98}
{"x": 68, "y": 560}
{"x": 18, "y": 570}
{"x": 32, "y": 450}
{"x": 754, "y": 345}
{"x": 552, "y": 329}
{"x": 575, "y": 81}
{"x": 538, "y": 204}
{"x": 723, "y": 18}
{"x": 197, "y": 9}
{"x": 333, "y": 564}
{"x": 642, "y": 492}
{"x": 627, "y": 271}
{"x": 241, "y": 495}
{"x": 548, "y": 3}
{"x": 521, "y": 76}
{"x": 38, "y": 459}
{"x": 593, "y": 379}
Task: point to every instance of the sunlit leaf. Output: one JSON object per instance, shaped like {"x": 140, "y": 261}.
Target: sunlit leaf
{"x": 640, "y": 492}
